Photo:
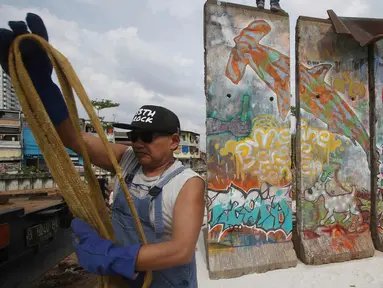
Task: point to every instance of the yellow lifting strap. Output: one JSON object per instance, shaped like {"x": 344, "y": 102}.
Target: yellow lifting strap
{"x": 84, "y": 199}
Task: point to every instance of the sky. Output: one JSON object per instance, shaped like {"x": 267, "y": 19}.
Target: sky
{"x": 137, "y": 52}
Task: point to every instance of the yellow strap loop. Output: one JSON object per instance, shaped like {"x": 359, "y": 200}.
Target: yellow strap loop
{"x": 84, "y": 200}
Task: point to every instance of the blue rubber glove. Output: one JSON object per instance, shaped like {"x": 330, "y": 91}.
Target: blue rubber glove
{"x": 100, "y": 256}
{"x": 36, "y": 62}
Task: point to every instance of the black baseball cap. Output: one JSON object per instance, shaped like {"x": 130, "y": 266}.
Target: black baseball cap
{"x": 153, "y": 118}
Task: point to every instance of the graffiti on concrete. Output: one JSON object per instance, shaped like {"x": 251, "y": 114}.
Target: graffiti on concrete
{"x": 320, "y": 100}
{"x": 343, "y": 202}
{"x": 379, "y": 133}
{"x": 317, "y": 97}
{"x": 334, "y": 100}
{"x": 260, "y": 215}
{"x": 239, "y": 125}
{"x": 270, "y": 65}
{"x": 235, "y": 126}
{"x": 316, "y": 146}
{"x": 349, "y": 86}
{"x": 248, "y": 129}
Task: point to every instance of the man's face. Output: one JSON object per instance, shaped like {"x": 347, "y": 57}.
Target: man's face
{"x": 152, "y": 148}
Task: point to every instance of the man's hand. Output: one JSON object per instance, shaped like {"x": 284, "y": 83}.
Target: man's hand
{"x": 100, "y": 256}
{"x": 40, "y": 70}
{"x": 36, "y": 62}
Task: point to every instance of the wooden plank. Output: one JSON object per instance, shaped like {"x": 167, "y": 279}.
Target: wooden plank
{"x": 25, "y": 193}
{"x": 10, "y": 122}
{"x": 29, "y": 205}
{"x": 31, "y": 200}
{"x": 4, "y": 199}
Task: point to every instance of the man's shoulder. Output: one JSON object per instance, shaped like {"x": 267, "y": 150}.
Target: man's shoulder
{"x": 179, "y": 181}
{"x": 187, "y": 172}
{"x": 177, "y": 185}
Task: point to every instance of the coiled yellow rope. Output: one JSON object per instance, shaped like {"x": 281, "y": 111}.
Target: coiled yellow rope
{"x": 84, "y": 199}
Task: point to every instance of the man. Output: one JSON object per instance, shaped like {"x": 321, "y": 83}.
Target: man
{"x": 169, "y": 198}
{"x": 274, "y": 5}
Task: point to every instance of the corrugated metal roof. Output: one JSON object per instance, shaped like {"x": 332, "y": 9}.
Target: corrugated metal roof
{"x": 364, "y": 30}
{"x": 30, "y": 145}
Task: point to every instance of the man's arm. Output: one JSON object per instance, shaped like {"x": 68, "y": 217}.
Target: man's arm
{"x": 96, "y": 149}
{"x": 187, "y": 221}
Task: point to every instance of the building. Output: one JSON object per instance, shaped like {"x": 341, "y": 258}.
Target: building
{"x": 8, "y": 98}
{"x": 86, "y": 126}
{"x": 32, "y": 155}
{"x": 122, "y": 137}
{"x": 189, "y": 152}
{"x": 189, "y": 146}
{"x": 10, "y": 141}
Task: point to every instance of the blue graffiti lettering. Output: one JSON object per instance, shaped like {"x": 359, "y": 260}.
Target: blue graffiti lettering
{"x": 266, "y": 210}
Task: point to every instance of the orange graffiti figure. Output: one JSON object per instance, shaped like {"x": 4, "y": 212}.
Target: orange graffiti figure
{"x": 270, "y": 65}
{"x": 340, "y": 237}
{"x": 319, "y": 99}
{"x": 273, "y": 67}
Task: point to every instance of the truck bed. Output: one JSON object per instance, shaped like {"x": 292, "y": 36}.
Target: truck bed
{"x": 30, "y": 200}
{"x": 29, "y": 205}
{"x": 39, "y": 234}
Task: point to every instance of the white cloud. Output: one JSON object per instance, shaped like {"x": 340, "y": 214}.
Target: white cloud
{"x": 357, "y": 8}
{"x": 108, "y": 64}
{"x": 182, "y": 61}
{"x": 176, "y": 8}
{"x": 93, "y": 2}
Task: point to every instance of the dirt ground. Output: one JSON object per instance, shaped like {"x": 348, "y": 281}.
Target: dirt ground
{"x": 66, "y": 274}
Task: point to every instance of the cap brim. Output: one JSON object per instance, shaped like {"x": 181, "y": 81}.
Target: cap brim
{"x": 127, "y": 126}
{"x": 124, "y": 126}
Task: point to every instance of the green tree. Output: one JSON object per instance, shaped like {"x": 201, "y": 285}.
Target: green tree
{"x": 103, "y": 104}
